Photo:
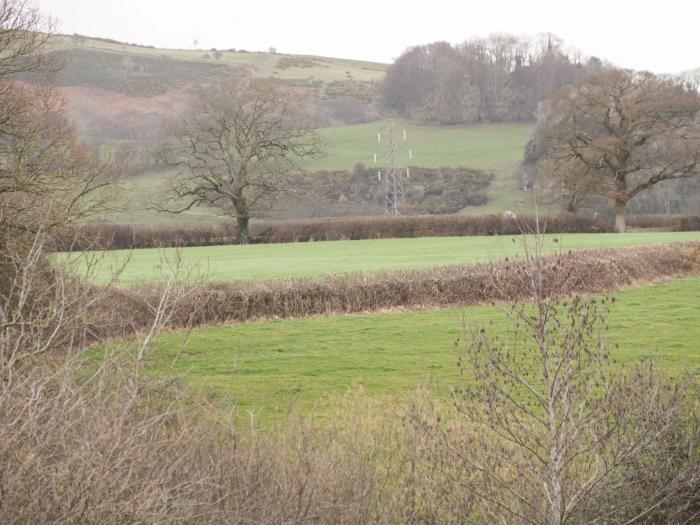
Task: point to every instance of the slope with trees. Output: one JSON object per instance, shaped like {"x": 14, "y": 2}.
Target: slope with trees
{"x": 122, "y": 92}
{"x": 500, "y": 78}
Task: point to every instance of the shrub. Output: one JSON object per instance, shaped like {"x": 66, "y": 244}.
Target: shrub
{"x": 668, "y": 222}
{"x": 549, "y": 431}
{"x": 689, "y": 223}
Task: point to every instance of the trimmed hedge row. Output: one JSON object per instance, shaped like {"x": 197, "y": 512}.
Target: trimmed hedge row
{"x": 107, "y": 236}
{"x": 684, "y": 223}
{"x": 590, "y": 271}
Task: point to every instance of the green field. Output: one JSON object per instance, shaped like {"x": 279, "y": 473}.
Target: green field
{"x": 138, "y": 195}
{"x": 482, "y": 146}
{"x": 494, "y": 147}
{"x": 269, "y": 366}
{"x": 101, "y": 63}
{"x": 317, "y": 259}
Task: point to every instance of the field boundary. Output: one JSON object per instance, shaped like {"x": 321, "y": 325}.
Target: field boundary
{"x": 108, "y": 236}
{"x": 130, "y": 309}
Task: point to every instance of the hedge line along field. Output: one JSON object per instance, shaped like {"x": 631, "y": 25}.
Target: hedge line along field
{"x": 268, "y": 367}
{"x": 121, "y": 310}
{"x": 317, "y": 259}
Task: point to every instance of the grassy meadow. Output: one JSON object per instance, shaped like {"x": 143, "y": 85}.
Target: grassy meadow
{"x": 493, "y": 147}
{"x": 481, "y": 146}
{"x": 317, "y": 259}
{"x": 268, "y": 367}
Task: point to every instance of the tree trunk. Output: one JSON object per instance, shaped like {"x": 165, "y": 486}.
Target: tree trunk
{"x": 242, "y": 235}
{"x": 620, "y": 209}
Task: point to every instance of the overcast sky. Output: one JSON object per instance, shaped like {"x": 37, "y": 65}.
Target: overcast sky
{"x": 660, "y": 36}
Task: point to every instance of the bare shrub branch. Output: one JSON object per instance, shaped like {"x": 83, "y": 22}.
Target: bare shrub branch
{"x": 547, "y": 424}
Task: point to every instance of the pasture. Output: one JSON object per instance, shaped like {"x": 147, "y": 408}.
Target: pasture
{"x": 268, "y": 367}
{"x": 317, "y": 259}
{"x": 481, "y": 146}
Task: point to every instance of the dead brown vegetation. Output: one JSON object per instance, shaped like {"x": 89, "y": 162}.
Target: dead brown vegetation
{"x": 591, "y": 271}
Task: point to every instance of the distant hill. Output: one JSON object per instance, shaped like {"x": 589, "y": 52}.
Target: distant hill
{"x": 121, "y": 92}
{"x": 143, "y": 70}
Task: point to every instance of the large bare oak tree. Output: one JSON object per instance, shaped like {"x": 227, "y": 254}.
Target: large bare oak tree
{"x": 235, "y": 146}
{"x": 616, "y": 134}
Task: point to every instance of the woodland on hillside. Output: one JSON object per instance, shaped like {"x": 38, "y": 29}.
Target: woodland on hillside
{"x": 500, "y": 78}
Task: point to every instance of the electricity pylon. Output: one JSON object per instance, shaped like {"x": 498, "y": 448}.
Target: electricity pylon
{"x": 393, "y": 173}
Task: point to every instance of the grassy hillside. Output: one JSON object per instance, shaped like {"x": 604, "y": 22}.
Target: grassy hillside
{"x": 275, "y": 261}
{"x": 101, "y": 62}
{"x": 484, "y": 146}
{"x": 496, "y": 147}
{"x": 269, "y": 366}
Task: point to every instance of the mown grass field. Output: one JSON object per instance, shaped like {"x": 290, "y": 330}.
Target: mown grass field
{"x": 482, "y": 146}
{"x": 269, "y": 367}
{"x": 317, "y": 259}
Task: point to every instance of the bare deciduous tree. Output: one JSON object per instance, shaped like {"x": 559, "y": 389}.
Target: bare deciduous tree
{"x": 616, "y": 134}
{"x": 236, "y": 145}
{"x": 24, "y": 33}
{"x": 499, "y": 78}
{"x": 47, "y": 177}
